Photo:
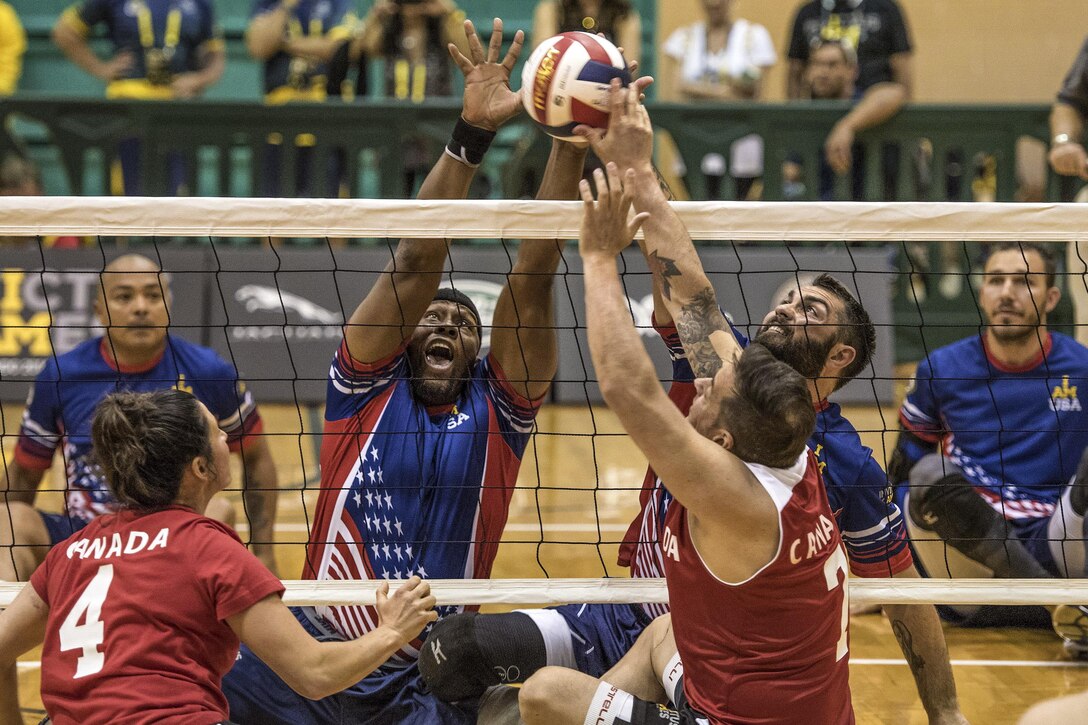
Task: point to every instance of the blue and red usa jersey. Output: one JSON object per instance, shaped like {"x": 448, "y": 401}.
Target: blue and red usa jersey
{"x": 1017, "y": 433}
{"x": 70, "y": 387}
{"x": 407, "y": 489}
{"x": 871, "y": 523}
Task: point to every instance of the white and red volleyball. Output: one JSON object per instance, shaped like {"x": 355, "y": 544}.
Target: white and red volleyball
{"x": 565, "y": 82}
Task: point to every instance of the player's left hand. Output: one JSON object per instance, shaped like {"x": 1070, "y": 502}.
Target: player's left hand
{"x": 488, "y": 101}
{"x": 839, "y": 148}
{"x": 605, "y": 228}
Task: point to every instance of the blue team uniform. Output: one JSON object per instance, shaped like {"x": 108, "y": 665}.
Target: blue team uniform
{"x": 871, "y": 524}
{"x": 69, "y": 388}
{"x": 288, "y": 78}
{"x": 405, "y": 490}
{"x": 1016, "y": 433}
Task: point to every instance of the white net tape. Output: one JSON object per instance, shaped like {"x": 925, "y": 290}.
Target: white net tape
{"x": 738, "y": 221}
{"x": 616, "y": 591}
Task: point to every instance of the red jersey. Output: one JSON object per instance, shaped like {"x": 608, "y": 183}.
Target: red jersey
{"x": 774, "y": 648}
{"x": 137, "y": 628}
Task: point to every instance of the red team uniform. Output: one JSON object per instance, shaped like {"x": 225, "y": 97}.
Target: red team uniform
{"x": 137, "y": 628}
{"x": 780, "y": 657}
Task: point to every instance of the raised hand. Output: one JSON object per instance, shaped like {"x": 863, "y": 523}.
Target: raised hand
{"x": 488, "y": 101}
{"x": 408, "y": 610}
{"x": 605, "y": 229}
{"x": 629, "y": 139}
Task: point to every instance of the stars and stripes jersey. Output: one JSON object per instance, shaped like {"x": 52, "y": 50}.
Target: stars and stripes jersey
{"x": 70, "y": 386}
{"x": 1017, "y": 433}
{"x": 871, "y": 523}
{"x": 407, "y": 489}
{"x": 782, "y": 654}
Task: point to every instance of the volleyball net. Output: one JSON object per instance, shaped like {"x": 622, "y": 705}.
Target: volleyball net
{"x": 269, "y": 284}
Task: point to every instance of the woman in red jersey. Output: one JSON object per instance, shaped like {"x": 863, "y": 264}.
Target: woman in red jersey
{"x": 142, "y": 611}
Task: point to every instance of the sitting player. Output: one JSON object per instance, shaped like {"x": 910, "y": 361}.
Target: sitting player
{"x": 992, "y": 434}
{"x": 423, "y": 440}
{"x": 116, "y": 649}
{"x": 135, "y": 353}
{"x": 744, "y": 482}
{"x": 821, "y": 331}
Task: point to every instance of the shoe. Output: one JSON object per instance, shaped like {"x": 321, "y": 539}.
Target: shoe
{"x": 1071, "y": 624}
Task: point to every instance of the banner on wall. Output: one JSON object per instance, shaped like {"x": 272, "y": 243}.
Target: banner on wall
{"x": 277, "y": 314}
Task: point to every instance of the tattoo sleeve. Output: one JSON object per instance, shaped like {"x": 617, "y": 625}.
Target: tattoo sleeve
{"x": 697, "y": 320}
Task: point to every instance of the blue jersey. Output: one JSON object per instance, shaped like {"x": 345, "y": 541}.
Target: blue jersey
{"x": 70, "y": 386}
{"x": 192, "y": 21}
{"x": 310, "y": 18}
{"x": 407, "y": 489}
{"x": 1017, "y": 433}
{"x": 871, "y": 524}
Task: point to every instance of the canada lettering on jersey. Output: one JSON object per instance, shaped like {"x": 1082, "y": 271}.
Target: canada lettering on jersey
{"x": 817, "y": 539}
{"x": 668, "y": 544}
{"x": 107, "y": 547}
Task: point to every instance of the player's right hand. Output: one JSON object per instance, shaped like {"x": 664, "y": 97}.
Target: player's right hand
{"x": 488, "y": 101}
{"x": 629, "y": 139}
{"x": 408, "y": 610}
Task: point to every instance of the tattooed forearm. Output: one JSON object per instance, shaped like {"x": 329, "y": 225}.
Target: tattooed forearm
{"x": 696, "y": 322}
{"x": 663, "y": 268}
{"x": 914, "y": 660}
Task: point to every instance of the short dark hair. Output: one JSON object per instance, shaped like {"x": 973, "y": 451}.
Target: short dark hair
{"x": 143, "y": 443}
{"x": 449, "y": 294}
{"x": 855, "y": 327}
{"x": 849, "y": 53}
{"x": 1050, "y": 264}
{"x": 770, "y": 415}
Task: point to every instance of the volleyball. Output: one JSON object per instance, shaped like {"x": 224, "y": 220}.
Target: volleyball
{"x": 565, "y": 82}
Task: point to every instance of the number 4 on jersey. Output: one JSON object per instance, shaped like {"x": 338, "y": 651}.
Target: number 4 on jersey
{"x": 92, "y": 632}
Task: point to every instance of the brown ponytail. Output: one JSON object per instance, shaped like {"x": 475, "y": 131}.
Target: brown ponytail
{"x": 143, "y": 443}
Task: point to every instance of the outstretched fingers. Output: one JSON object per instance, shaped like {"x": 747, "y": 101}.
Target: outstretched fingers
{"x": 475, "y": 47}
{"x": 515, "y": 50}
{"x": 459, "y": 58}
{"x": 494, "y": 46}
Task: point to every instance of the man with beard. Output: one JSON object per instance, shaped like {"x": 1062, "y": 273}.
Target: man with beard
{"x": 820, "y": 330}
{"x": 423, "y": 441}
{"x": 993, "y": 429}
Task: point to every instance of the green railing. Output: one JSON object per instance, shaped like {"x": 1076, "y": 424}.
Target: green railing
{"x": 225, "y": 142}
{"x": 226, "y": 139}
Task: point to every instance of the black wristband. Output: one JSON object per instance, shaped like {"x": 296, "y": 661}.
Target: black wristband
{"x": 469, "y": 143}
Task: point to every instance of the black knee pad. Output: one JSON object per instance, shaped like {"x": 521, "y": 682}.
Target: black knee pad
{"x": 1078, "y": 496}
{"x": 467, "y": 653}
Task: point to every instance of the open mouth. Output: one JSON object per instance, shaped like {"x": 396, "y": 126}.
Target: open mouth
{"x": 439, "y": 354}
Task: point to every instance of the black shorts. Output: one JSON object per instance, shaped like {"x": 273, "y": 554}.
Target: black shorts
{"x": 681, "y": 712}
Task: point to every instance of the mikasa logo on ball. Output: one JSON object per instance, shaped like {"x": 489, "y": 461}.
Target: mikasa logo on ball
{"x": 543, "y": 77}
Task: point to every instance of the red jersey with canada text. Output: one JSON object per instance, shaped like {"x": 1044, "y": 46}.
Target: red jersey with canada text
{"x": 772, "y": 650}
{"x": 137, "y": 631}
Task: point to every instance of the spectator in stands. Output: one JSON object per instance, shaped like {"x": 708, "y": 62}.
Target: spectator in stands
{"x": 723, "y": 59}
{"x": 877, "y": 32}
{"x": 296, "y": 40}
{"x": 161, "y": 50}
{"x": 617, "y": 19}
{"x": 12, "y": 48}
{"x": 831, "y": 73}
{"x": 992, "y": 432}
{"x": 1067, "y": 154}
{"x": 412, "y": 37}
{"x": 20, "y": 177}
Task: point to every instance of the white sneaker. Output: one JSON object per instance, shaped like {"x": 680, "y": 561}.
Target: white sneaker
{"x": 1071, "y": 624}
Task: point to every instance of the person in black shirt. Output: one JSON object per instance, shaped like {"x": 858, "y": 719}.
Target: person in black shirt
{"x": 877, "y": 31}
{"x": 1067, "y": 154}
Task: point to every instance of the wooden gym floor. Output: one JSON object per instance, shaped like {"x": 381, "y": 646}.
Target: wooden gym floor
{"x": 999, "y": 673}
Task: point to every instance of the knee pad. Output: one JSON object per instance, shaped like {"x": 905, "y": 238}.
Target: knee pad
{"x": 467, "y": 653}
{"x": 1078, "y": 496}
